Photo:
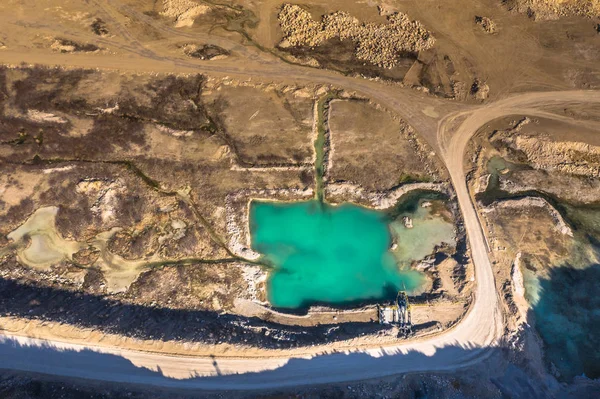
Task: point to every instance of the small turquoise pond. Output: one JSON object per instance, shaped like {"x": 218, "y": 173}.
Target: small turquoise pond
{"x": 327, "y": 254}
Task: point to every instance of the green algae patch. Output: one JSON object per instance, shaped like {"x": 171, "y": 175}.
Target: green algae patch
{"x": 326, "y": 254}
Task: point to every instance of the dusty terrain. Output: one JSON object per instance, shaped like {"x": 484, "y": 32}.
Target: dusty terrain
{"x": 553, "y": 9}
{"x": 557, "y": 157}
{"x": 160, "y": 219}
{"x": 535, "y": 182}
{"x": 162, "y": 111}
{"x": 374, "y": 150}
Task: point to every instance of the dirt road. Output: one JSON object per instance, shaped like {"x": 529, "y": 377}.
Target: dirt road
{"x": 448, "y": 126}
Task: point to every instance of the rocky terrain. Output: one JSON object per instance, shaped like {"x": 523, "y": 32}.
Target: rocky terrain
{"x": 486, "y": 24}
{"x": 553, "y": 9}
{"x": 575, "y": 158}
{"x": 184, "y": 12}
{"x": 159, "y": 223}
{"x": 380, "y": 45}
{"x": 129, "y": 157}
{"x": 535, "y": 154}
{"x": 536, "y": 183}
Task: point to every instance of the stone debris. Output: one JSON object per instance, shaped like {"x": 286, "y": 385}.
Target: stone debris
{"x": 39, "y": 116}
{"x": 517, "y": 277}
{"x": 255, "y": 276}
{"x": 378, "y": 44}
{"x": 105, "y": 194}
{"x": 174, "y": 132}
{"x": 486, "y": 24}
{"x": 480, "y": 90}
{"x": 385, "y": 199}
{"x": 553, "y": 9}
{"x": 482, "y": 183}
{"x": 183, "y": 11}
{"x": 59, "y": 169}
{"x": 69, "y": 46}
{"x": 570, "y": 157}
{"x": 177, "y": 231}
{"x": 560, "y": 224}
{"x": 204, "y": 51}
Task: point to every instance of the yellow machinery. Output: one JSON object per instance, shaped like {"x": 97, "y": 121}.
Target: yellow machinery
{"x": 397, "y": 313}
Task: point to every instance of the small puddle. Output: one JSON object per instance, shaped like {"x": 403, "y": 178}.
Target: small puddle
{"x": 40, "y": 246}
{"x": 46, "y": 246}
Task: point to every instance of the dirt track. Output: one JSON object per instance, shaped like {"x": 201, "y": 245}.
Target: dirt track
{"x": 469, "y": 342}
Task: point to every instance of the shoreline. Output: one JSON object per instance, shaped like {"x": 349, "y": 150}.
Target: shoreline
{"x": 240, "y": 243}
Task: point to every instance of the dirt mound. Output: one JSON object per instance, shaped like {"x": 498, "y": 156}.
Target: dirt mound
{"x": 183, "y": 11}
{"x": 571, "y": 157}
{"x": 553, "y": 9}
{"x": 70, "y": 46}
{"x": 204, "y": 51}
{"x": 379, "y": 44}
{"x": 480, "y": 90}
{"x": 99, "y": 27}
{"x": 486, "y": 24}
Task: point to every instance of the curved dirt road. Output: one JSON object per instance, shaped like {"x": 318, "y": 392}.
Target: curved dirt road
{"x": 466, "y": 344}
{"x": 469, "y": 342}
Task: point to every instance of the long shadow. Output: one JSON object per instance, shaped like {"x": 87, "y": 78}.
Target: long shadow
{"x": 337, "y": 367}
{"x": 111, "y": 316}
{"x": 513, "y": 380}
{"x": 567, "y": 317}
{"x": 487, "y": 365}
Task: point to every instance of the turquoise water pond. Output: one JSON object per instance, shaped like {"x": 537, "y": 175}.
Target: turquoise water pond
{"x": 333, "y": 254}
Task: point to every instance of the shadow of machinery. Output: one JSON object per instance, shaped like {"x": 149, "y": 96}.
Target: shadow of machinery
{"x": 568, "y": 293}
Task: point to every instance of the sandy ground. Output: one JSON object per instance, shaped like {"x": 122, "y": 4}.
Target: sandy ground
{"x": 479, "y": 329}
{"x": 447, "y": 126}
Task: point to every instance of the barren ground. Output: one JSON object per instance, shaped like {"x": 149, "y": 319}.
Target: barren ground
{"x": 150, "y": 124}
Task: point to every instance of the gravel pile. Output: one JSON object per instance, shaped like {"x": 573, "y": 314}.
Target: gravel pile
{"x": 378, "y": 44}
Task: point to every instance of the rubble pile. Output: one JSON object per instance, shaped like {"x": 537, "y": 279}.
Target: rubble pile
{"x": 568, "y": 157}
{"x": 183, "y": 11}
{"x": 553, "y": 9}
{"x": 486, "y": 24}
{"x": 378, "y": 44}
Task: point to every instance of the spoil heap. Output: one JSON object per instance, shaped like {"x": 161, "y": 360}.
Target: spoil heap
{"x": 486, "y": 24}
{"x": 183, "y": 11}
{"x": 552, "y": 9}
{"x": 378, "y": 44}
{"x": 571, "y": 157}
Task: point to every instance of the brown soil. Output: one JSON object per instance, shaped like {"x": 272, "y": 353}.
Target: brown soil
{"x": 555, "y": 157}
{"x": 204, "y": 51}
{"x": 380, "y": 45}
{"x": 553, "y": 9}
{"x": 376, "y": 151}
{"x": 266, "y": 128}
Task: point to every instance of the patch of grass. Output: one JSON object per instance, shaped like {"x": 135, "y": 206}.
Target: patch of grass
{"x": 407, "y": 178}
